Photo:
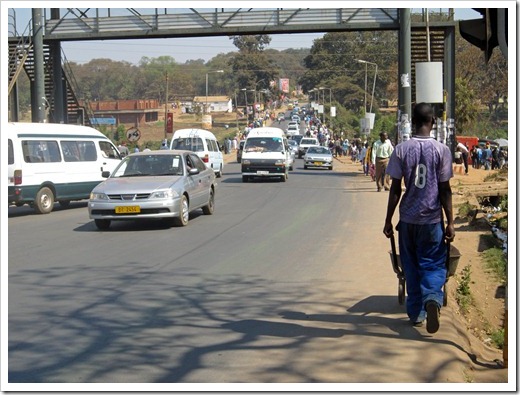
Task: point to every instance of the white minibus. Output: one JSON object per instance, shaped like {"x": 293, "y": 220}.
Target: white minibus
{"x": 55, "y": 162}
{"x": 266, "y": 154}
{"x": 204, "y": 143}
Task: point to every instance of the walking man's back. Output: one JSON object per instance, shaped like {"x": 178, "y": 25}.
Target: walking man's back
{"x": 426, "y": 167}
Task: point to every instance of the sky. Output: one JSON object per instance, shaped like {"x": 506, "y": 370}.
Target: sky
{"x": 183, "y": 49}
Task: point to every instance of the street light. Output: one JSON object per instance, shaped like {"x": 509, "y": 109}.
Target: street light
{"x": 213, "y": 71}
{"x": 373, "y": 87}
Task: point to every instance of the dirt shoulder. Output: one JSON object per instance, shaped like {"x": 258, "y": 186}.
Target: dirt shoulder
{"x": 486, "y": 312}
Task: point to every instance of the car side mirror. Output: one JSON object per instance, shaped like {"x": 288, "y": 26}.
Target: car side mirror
{"x": 105, "y": 174}
{"x": 194, "y": 171}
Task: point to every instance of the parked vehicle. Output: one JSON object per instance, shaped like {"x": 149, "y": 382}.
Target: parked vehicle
{"x": 266, "y": 154}
{"x": 305, "y": 143}
{"x": 55, "y": 162}
{"x": 164, "y": 184}
{"x": 318, "y": 156}
{"x": 204, "y": 143}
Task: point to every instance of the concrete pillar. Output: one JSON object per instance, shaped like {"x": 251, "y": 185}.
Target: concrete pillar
{"x": 38, "y": 99}
{"x": 405, "y": 64}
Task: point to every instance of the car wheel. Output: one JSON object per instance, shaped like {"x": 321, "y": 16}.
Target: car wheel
{"x": 44, "y": 201}
{"x": 102, "y": 224}
{"x": 245, "y": 178}
{"x": 219, "y": 174}
{"x": 210, "y": 207}
{"x": 184, "y": 216}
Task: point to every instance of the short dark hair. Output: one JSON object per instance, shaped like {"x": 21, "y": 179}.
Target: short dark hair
{"x": 422, "y": 114}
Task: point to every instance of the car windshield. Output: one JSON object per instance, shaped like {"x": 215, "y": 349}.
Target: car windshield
{"x": 318, "y": 150}
{"x": 149, "y": 165}
{"x": 308, "y": 141}
{"x": 263, "y": 144}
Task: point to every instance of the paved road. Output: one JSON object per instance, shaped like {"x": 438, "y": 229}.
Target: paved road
{"x": 285, "y": 283}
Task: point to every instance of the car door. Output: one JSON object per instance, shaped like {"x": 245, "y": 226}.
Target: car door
{"x": 199, "y": 182}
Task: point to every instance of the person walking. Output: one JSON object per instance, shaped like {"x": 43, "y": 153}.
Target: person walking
{"x": 465, "y": 153}
{"x": 381, "y": 151}
{"x": 426, "y": 167}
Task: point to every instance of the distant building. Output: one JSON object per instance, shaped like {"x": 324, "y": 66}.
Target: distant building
{"x": 128, "y": 112}
{"x": 214, "y": 103}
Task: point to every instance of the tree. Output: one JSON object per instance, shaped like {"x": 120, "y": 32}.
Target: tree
{"x": 466, "y": 106}
{"x": 251, "y": 67}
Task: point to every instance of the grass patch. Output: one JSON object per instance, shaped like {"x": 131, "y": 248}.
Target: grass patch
{"x": 466, "y": 210}
{"x": 496, "y": 261}
{"x": 500, "y": 175}
{"x": 497, "y": 338}
{"x": 463, "y": 293}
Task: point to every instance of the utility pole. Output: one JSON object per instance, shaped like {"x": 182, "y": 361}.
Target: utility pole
{"x": 166, "y": 109}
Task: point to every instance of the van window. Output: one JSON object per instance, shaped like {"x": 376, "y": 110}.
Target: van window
{"x": 190, "y": 144}
{"x": 79, "y": 151}
{"x": 10, "y": 152}
{"x": 35, "y": 151}
{"x": 108, "y": 150}
{"x": 212, "y": 145}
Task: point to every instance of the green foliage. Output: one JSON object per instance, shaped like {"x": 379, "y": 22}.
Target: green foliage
{"x": 463, "y": 293}
{"x": 466, "y": 107}
{"x": 496, "y": 262}
{"x": 466, "y": 209}
{"x": 497, "y": 337}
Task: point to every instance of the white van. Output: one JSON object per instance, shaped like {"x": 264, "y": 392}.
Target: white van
{"x": 55, "y": 162}
{"x": 266, "y": 154}
{"x": 204, "y": 143}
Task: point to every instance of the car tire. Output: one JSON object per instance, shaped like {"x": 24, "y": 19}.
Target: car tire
{"x": 102, "y": 224}
{"x": 209, "y": 208}
{"x": 219, "y": 174}
{"x": 182, "y": 219}
{"x": 44, "y": 201}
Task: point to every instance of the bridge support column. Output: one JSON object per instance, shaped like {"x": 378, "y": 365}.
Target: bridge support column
{"x": 39, "y": 103}
{"x": 405, "y": 66}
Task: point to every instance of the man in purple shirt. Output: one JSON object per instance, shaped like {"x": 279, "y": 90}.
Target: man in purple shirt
{"x": 426, "y": 167}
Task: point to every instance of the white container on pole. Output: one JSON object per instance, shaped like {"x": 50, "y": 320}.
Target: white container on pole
{"x": 428, "y": 82}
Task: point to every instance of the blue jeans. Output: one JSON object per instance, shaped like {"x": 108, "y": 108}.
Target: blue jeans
{"x": 423, "y": 258}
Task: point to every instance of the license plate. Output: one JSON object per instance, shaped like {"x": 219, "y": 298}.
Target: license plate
{"x": 318, "y": 163}
{"x": 128, "y": 209}
{"x": 262, "y": 172}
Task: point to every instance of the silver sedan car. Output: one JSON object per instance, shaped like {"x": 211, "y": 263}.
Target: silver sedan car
{"x": 167, "y": 184}
{"x": 317, "y": 156}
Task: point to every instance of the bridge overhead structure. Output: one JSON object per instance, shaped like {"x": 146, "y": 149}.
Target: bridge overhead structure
{"x": 75, "y": 24}
{"x": 96, "y": 24}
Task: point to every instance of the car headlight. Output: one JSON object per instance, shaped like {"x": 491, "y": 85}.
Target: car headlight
{"x": 246, "y": 162}
{"x": 98, "y": 196}
{"x": 280, "y": 162}
{"x": 168, "y": 194}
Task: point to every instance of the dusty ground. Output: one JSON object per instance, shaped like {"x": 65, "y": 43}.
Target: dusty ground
{"x": 487, "y": 312}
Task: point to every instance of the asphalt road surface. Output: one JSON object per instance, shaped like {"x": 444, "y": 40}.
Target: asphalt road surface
{"x": 286, "y": 283}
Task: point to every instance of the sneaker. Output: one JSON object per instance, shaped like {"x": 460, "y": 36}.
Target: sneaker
{"x": 418, "y": 324}
{"x": 432, "y": 316}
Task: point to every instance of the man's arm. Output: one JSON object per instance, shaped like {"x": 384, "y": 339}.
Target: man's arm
{"x": 446, "y": 202}
{"x": 393, "y": 200}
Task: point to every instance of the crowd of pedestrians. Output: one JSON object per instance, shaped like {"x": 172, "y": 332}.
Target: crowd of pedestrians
{"x": 487, "y": 157}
